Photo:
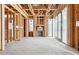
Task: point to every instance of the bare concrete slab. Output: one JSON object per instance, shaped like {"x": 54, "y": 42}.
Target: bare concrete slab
{"x": 38, "y": 46}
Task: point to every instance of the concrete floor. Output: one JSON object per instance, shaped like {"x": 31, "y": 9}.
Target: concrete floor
{"x": 37, "y": 46}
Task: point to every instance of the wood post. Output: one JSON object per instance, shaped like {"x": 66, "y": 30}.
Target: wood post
{"x": 34, "y": 25}
{"x": 27, "y": 27}
{"x": 7, "y": 25}
{"x": 25, "y": 23}
{"x": 14, "y": 26}
{"x": 46, "y": 26}
{"x": 2, "y": 27}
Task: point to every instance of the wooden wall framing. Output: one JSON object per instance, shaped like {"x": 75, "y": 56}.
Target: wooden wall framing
{"x": 73, "y": 30}
{"x": 2, "y": 27}
{"x": 18, "y": 18}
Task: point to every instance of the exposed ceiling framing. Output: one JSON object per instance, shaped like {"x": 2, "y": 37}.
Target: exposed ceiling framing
{"x": 31, "y": 9}
{"x": 35, "y": 9}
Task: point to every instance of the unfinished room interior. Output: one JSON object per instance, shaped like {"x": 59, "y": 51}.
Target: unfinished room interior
{"x": 39, "y": 29}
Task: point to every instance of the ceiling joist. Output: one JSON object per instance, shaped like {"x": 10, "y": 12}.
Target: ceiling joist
{"x": 49, "y": 7}
{"x": 39, "y": 9}
{"x": 22, "y": 9}
{"x": 9, "y": 9}
{"x": 31, "y": 9}
{"x": 19, "y": 10}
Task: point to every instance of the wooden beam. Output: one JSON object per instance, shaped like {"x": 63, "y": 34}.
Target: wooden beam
{"x": 31, "y": 9}
{"x": 22, "y": 9}
{"x": 59, "y": 9}
{"x": 39, "y": 15}
{"x": 19, "y": 10}
{"x": 40, "y": 9}
{"x": 9, "y": 9}
{"x": 49, "y": 6}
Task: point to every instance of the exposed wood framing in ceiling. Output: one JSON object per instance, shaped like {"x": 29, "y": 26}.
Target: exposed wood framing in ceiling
{"x": 9, "y": 8}
{"x": 22, "y": 9}
{"x": 34, "y": 9}
{"x": 49, "y": 6}
{"x": 19, "y": 10}
{"x": 31, "y": 9}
